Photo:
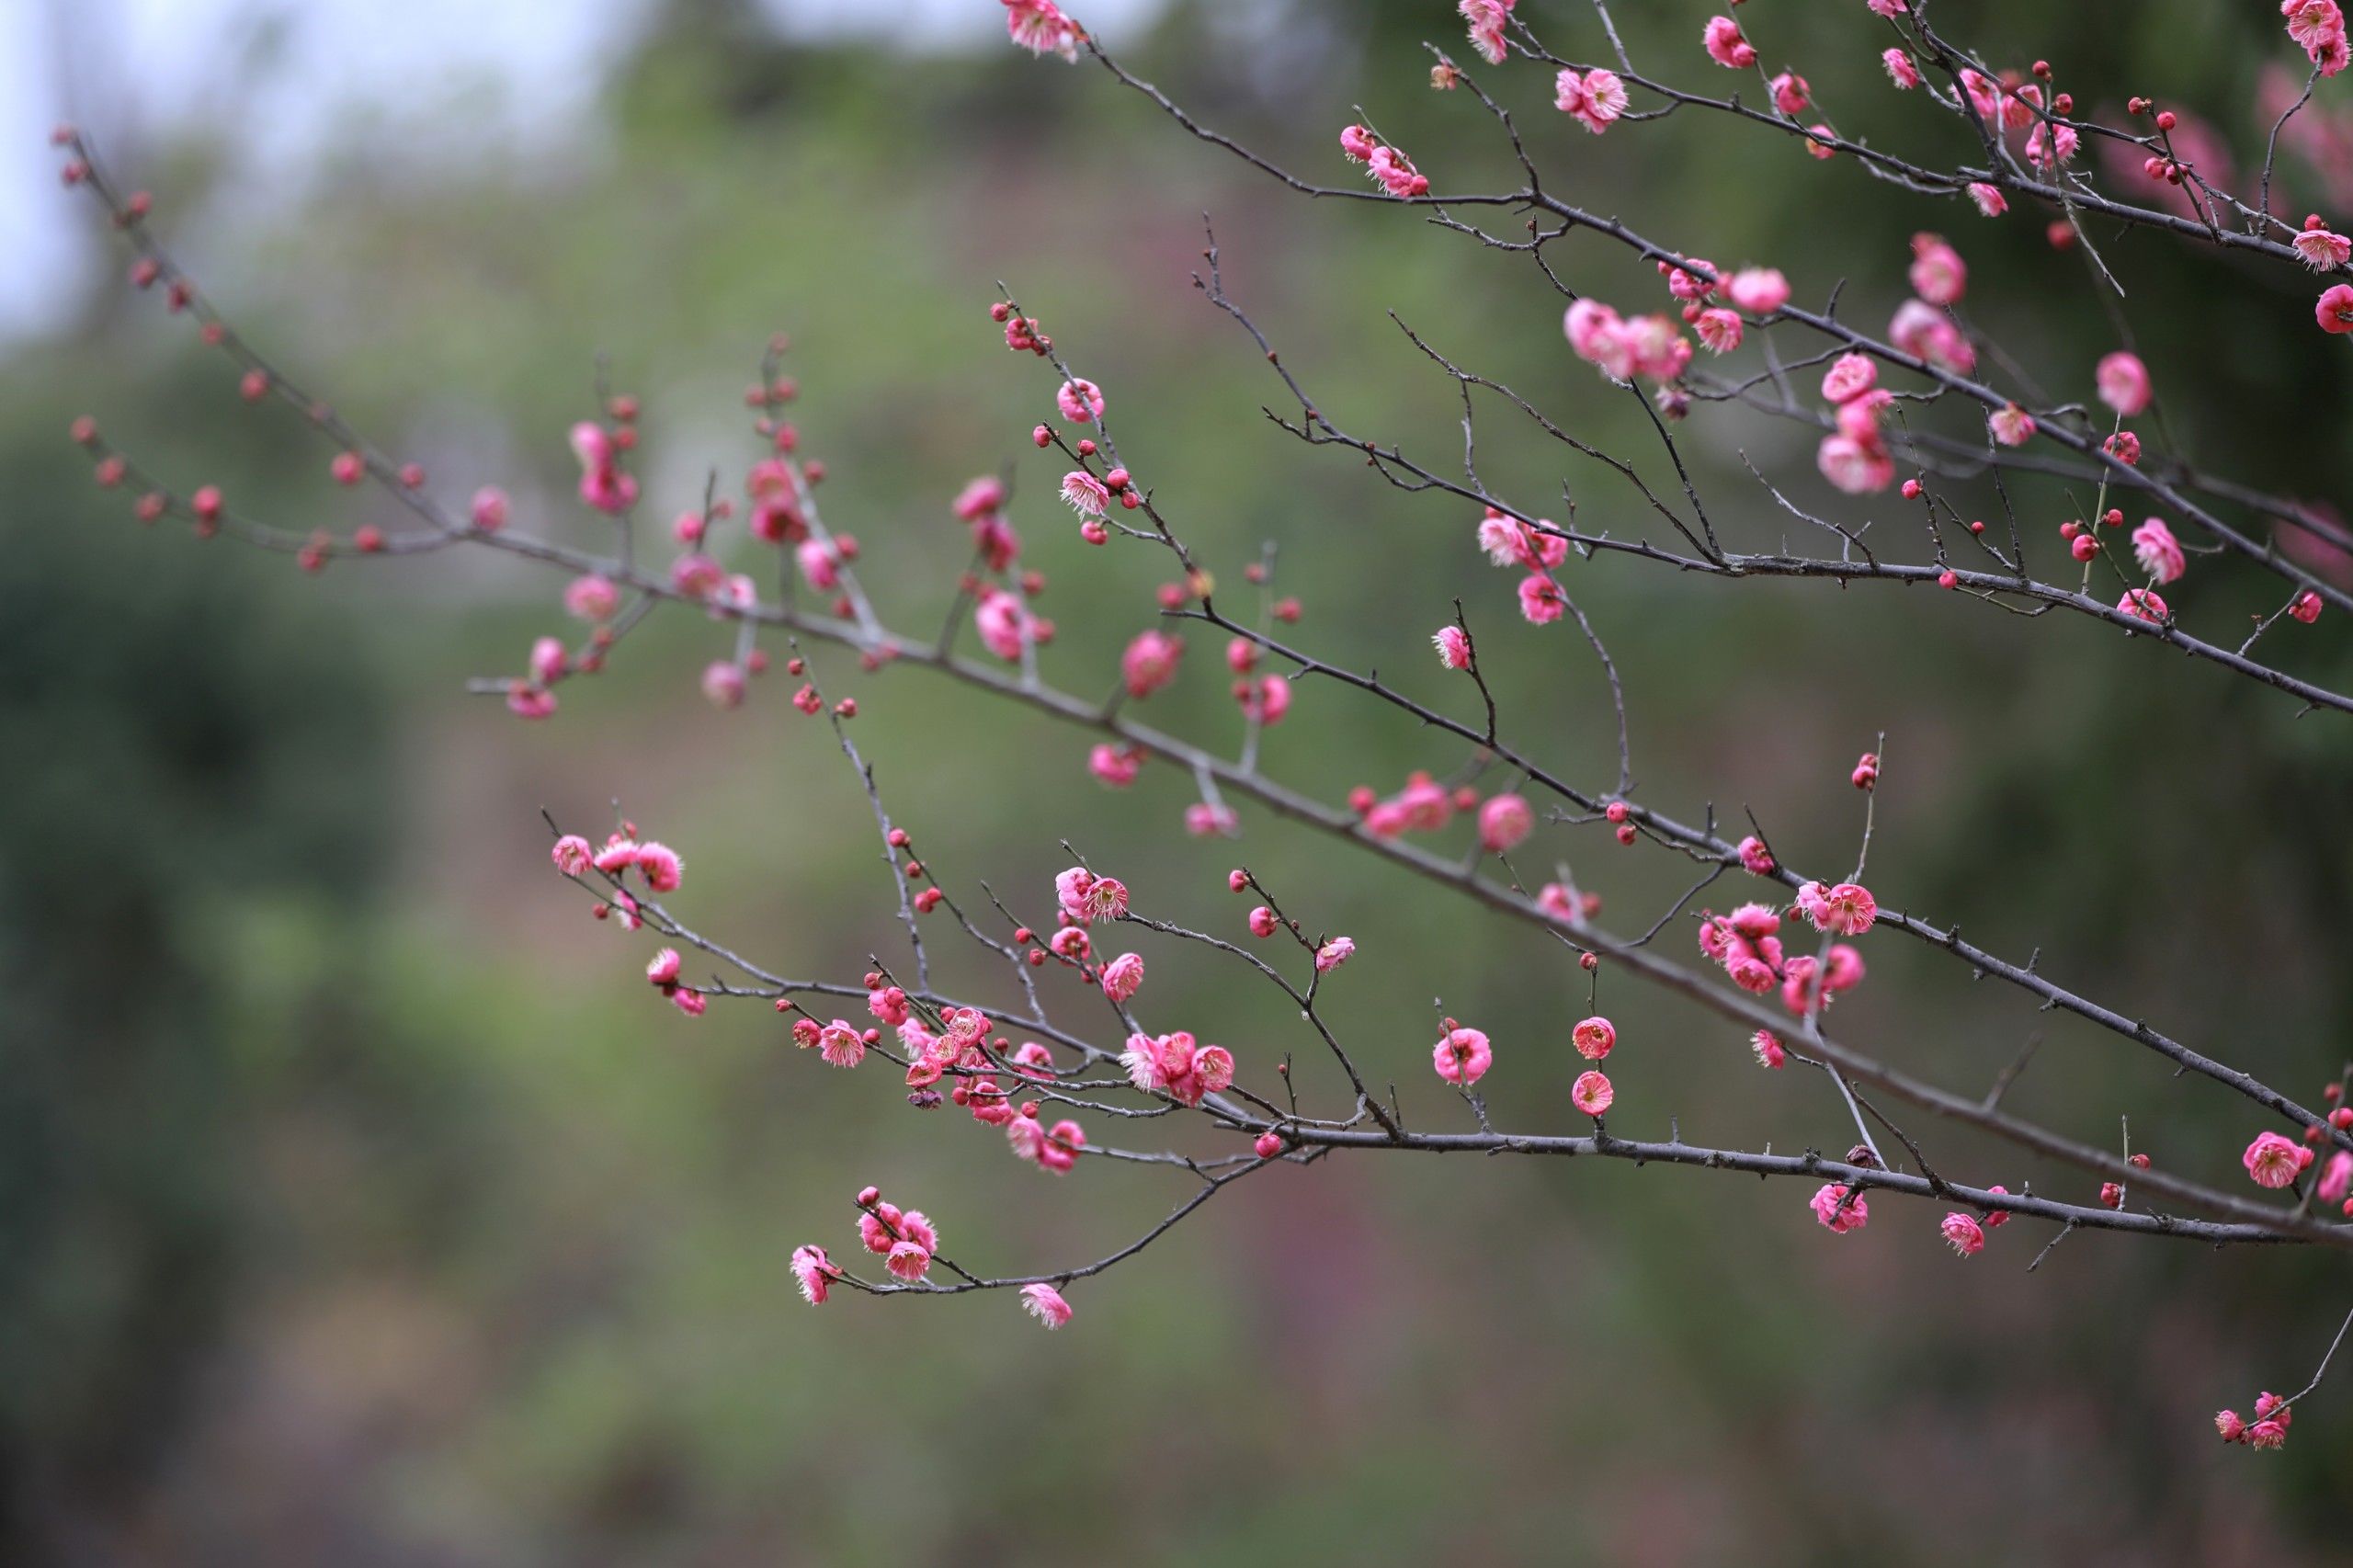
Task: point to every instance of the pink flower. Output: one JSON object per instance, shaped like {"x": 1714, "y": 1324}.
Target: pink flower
{"x": 1597, "y": 336}
{"x": 2320, "y": 250}
{"x": 1595, "y": 99}
{"x": 2335, "y": 1178}
{"x": 1266, "y": 701}
{"x": 1084, "y": 494}
{"x": 1123, "y": 977}
{"x": 1453, "y": 647}
{"x": 1756, "y": 858}
{"x": 1263, "y": 922}
{"x": 819, "y": 565}
{"x": 1938, "y": 275}
{"x": 2273, "y": 1161}
{"x": 1487, "y": 18}
{"x": 661, "y": 867}
{"x": 2011, "y": 424}
{"x": 1174, "y": 1065}
{"x": 1039, "y": 26}
{"x": 2143, "y": 604}
{"x": 1900, "y": 69}
{"x": 2158, "y": 551}
{"x": 548, "y": 661}
{"x": 1003, "y": 623}
{"x": 1116, "y": 766}
{"x": 1504, "y": 821}
{"x": 1726, "y": 45}
{"x": 841, "y": 1044}
{"x": 1790, "y": 93}
{"x": 1768, "y": 1049}
{"x": 1511, "y": 542}
{"x": 1540, "y": 600}
{"x": 2049, "y": 144}
{"x": 1149, "y": 661}
{"x": 571, "y": 854}
{"x": 816, "y": 1273}
{"x": 1991, "y": 202}
{"x": 1080, "y": 400}
{"x": 1591, "y": 1092}
{"x": 2306, "y": 607}
{"x": 1046, "y": 1304}
{"x": 1463, "y": 1057}
{"x": 1926, "y": 334}
{"x": 591, "y": 597}
{"x": 2319, "y": 26}
{"x": 1334, "y": 953}
{"x": 980, "y": 499}
{"x": 1719, "y": 330}
{"x": 722, "y": 683}
{"x": 1087, "y": 898}
{"x": 1594, "y": 1037}
{"x": 1210, "y": 819}
{"x": 1963, "y": 1235}
{"x": 602, "y": 484}
{"x": 2123, "y": 383}
{"x": 2230, "y": 1424}
{"x": 488, "y": 510}
{"x": 696, "y": 575}
{"x": 664, "y": 968}
{"x": 1759, "y": 290}
{"x": 1836, "y": 1212}
{"x": 1849, "y": 376}
{"x": 2335, "y": 309}
{"x": 1396, "y": 173}
{"x": 1847, "y": 909}
{"x": 1857, "y": 468}
{"x": 1357, "y": 143}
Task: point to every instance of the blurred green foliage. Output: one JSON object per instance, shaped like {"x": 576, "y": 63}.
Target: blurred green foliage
{"x": 360, "y": 1206}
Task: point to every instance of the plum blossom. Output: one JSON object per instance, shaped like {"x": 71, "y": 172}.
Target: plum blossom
{"x": 1938, "y": 275}
{"x": 2320, "y": 249}
{"x": 1849, "y": 376}
{"x": 1591, "y": 1092}
{"x": 2158, "y": 551}
{"x": 1921, "y": 330}
{"x": 1900, "y": 69}
{"x": 1040, "y": 27}
{"x": 2011, "y": 426}
{"x": 1487, "y": 19}
{"x": 1963, "y": 1234}
{"x": 815, "y": 1272}
{"x": 1836, "y": 1212}
{"x": 2143, "y": 604}
{"x": 1463, "y": 1057}
{"x": 1123, "y": 977}
{"x": 1081, "y": 401}
{"x": 1052, "y": 1149}
{"x": 1594, "y": 100}
{"x": 1760, "y": 290}
{"x": 1149, "y": 661}
{"x": 1594, "y": 1037}
{"x": 1991, "y": 202}
{"x": 602, "y": 484}
{"x": 1334, "y": 953}
{"x": 571, "y": 854}
{"x": 1087, "y": 898}
{"x": 591, "y": 597}
{"x": 1045, "y": 1303}
{"x": 1174, "y": 1065}
{"x": 1453, "y": 646}
{"x": 1767, "y": 1048}
{"x": 2274, "y": 1161}
{"x": 1847, "y": 909}
{"x": 2123, "y": 383}
{"x": 1084, "y": 494}
{"x": 1115, "y": 765}
{"x": 1726, "y": 45}
{"x": 2333, "y": 310}
{"x": 1505, "y": 821}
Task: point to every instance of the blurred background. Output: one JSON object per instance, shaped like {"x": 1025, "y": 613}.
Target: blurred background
{"x": 358, "y": 1205}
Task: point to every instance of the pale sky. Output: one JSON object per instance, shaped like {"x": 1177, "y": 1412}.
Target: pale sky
{"x": 281, "y": 77}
